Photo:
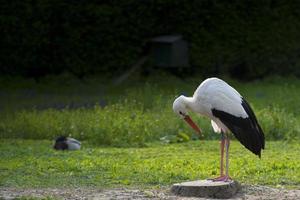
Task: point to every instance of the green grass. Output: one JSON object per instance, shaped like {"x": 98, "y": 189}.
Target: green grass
{"x": 136, "y": 116}
{"x": 136, "y": 112}
{"x": 32, "y": 164}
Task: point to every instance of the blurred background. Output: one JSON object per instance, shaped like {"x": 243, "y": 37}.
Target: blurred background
{"x": 245, "y": 39}
{"x": 108, "y": 71}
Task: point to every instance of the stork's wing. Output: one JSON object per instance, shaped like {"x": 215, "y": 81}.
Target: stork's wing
{"x": 245, "y": 129}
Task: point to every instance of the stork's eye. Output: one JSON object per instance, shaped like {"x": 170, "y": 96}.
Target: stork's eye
{"x": 180, "y": 113}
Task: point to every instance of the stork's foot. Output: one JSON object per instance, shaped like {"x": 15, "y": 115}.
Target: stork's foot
{"x": 221, "y": 178}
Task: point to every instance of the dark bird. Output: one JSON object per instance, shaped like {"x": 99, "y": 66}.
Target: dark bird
{"x": 66, "y": 143}
{"x": 228, "y": 111}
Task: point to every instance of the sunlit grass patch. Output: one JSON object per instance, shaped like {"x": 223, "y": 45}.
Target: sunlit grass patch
{"x": 35, "y": 164}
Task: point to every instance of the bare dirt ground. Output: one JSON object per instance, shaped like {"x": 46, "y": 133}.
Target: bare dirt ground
{"x": 247, "y": 192}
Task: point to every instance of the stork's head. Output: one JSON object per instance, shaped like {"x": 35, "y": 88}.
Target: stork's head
{"x": 180, "y": 106}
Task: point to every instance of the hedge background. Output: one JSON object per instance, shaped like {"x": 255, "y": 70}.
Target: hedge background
{"x": 249, "y": 39}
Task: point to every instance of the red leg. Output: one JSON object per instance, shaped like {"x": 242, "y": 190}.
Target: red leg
{"x": 222, "y": 156}
{"x": 222, "y": 145}
{"x": 225, "y": 177}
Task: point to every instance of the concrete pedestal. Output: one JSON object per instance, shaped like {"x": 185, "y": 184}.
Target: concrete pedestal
{"x": 206, "y": 188}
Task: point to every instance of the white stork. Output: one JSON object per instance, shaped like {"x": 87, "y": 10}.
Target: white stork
{"x": 228, "y": 111}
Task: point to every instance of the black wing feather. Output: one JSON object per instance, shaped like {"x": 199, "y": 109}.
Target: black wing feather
{"x": 246, "y": 130}
{"x": 252, "y": 116}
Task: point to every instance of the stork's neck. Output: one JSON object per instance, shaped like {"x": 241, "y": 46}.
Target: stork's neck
{"x": 190, "y": 103}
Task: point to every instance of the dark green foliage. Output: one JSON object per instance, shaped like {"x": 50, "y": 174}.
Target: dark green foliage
{"x": 247, "y": 39}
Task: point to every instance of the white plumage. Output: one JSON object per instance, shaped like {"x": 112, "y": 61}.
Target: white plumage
{"x": 73, "y": 144}
{"x": 215, "y": 93}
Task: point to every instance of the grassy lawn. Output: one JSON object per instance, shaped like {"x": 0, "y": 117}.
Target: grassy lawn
{"x": 28, "y": 163}
{"x": 121, "y": 127}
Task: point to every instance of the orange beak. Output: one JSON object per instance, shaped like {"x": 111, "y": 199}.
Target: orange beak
{"x": 192, "y": 124}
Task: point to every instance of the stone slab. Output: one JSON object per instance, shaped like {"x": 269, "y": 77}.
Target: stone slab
{"x": 206, "y": 188}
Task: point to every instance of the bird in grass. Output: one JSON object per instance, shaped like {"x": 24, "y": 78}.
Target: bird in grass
{"x": 229, "y": 112}
{"x": 66, "y": 143}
